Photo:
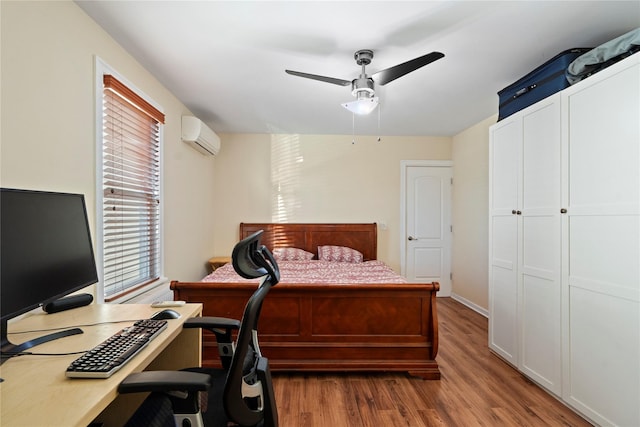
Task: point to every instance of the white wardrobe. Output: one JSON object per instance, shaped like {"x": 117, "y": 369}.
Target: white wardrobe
{"x": 564, "y": 244}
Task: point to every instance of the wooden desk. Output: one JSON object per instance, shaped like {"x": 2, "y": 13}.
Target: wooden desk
{"x": 36, "y": 392}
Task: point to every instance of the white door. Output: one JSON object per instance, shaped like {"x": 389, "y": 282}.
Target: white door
{"x": 601, "y": 231}
{"x": 504, "y": 205}
{"x": 427, "y": 231}
{"x": 539, "y": 266}
{"x": 524, "y": 242}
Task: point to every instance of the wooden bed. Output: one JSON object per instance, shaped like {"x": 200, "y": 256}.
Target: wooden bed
{"x": 330, "y": 327}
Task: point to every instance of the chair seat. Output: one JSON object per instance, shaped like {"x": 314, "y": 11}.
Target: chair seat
{"x": 157, "y": 412}
{"x": 213, "y": 414}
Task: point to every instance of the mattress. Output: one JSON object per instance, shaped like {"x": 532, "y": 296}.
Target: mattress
{"x": 318, "y": 272}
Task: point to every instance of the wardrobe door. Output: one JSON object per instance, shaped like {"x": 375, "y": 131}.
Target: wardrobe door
{"x": 504, "y": 166}
{"x": 539, "y": 268}
{"x": 601, "y": 280}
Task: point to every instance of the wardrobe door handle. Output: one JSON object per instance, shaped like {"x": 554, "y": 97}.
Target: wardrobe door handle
{"x": 563, "y": 210}
{"x": 518, "y": 212}
{"x": 513, "y": 212}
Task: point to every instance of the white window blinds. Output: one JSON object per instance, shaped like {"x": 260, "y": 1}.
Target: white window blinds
{"x": 131, "y": 189}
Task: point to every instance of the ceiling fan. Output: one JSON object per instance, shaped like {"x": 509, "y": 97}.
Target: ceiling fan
{"x": 363, "y": 87}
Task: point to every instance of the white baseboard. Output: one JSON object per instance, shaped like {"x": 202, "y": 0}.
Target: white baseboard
{"x": 473, "y": 306}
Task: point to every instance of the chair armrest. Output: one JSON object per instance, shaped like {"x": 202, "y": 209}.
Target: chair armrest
{"x": 210, "y": 323}
{"x": 222, "y": 327}
{"x": 165, "y": 381}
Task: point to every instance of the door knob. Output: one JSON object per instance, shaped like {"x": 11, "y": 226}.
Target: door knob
{"x": 411, "y": 238}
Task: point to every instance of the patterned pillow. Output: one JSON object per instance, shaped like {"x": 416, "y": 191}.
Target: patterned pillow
{"x": 291, "y": 254}
{"x": 339, "y": 254}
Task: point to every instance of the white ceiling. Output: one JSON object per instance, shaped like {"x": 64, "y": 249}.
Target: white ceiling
{"x": 225, "y": 60}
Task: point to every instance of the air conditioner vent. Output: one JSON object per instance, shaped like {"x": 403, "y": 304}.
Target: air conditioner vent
{"x": 200, "y": 136}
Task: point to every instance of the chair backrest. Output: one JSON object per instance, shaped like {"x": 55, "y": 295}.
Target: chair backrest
{"x": 250, "y": 260}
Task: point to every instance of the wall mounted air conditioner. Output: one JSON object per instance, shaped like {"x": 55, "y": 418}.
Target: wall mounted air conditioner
{"x": 200, "y": 136}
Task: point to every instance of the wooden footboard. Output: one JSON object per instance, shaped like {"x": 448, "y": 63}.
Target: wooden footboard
{"x": 364, "y": 327}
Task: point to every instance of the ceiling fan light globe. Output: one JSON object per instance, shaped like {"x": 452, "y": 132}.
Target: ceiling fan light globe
{"x": 362, "y": 85}
{"x": 362, "y": 106}
{"x": 363, "y": 93}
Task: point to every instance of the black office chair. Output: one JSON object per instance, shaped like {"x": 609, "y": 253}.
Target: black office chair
{"x": 241, "y": 392}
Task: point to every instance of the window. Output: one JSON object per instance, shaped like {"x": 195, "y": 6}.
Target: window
{"x": 130, "y": 190}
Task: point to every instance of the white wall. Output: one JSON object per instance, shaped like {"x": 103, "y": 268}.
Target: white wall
{"x": 48, "y": 123}
{"x": 331, "y": 180}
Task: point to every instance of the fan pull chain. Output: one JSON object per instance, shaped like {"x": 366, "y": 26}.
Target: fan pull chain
{"x": 379, "y": 108}
{"x": 353, "y": 128}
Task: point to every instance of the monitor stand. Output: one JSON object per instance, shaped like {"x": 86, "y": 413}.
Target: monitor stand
{"x": 8, "y": 349}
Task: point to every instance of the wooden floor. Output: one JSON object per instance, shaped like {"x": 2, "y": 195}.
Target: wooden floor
{"x": 476, "y": 389}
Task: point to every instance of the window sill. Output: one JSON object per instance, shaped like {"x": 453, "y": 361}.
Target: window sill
{"x": 154, "y": 291}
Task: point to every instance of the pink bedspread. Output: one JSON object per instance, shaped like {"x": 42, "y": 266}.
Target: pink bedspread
{"x": 319, "y": 272}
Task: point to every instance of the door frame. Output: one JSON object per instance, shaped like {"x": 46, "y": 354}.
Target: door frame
{"x": 404, "y": 165}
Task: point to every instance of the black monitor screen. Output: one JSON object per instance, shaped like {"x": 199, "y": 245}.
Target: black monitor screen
{"x": 45, "y": 252}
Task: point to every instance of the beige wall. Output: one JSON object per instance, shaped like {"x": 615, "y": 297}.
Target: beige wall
{"x": 48, "y": 123}
{"x": 327, "y": 179}
{"x": 338, "y": 181}
{"x": 470, "y": 200}
{"x": 48, "y": 142}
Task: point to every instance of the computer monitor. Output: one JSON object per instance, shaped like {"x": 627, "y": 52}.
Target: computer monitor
{"x": 45, "y": 254}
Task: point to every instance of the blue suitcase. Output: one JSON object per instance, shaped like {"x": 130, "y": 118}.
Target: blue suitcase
{"x": 544, "y": 81}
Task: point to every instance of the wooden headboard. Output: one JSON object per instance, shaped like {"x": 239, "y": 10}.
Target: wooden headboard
{"x": 361, "y": 237}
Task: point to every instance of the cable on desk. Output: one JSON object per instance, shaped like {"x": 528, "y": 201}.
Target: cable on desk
{"x": 10, "y": 354}
{"x": 73, "y": 326}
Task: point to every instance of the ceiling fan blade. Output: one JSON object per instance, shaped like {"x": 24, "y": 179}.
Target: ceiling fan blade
{"x": 390, "y": 74}
{"x": 338, "y": 82}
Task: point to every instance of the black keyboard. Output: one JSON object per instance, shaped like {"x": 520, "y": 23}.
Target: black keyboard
{"x": 110, "y": 355}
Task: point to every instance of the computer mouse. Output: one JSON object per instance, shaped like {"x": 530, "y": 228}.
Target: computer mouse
{"x": 166, "y": 314}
